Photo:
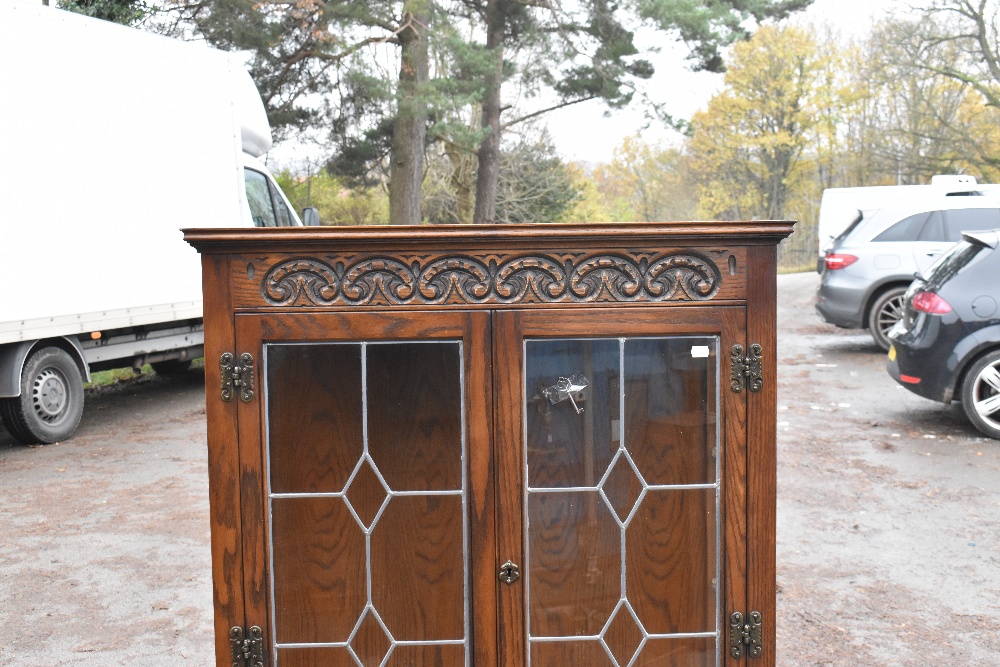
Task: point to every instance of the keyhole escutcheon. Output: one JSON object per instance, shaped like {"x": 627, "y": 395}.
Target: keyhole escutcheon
{"x": 509, "y": 573}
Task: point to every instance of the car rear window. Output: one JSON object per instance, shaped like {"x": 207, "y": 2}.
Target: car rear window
{"x": 906, "y": 229}
{"x": 950, "y": 263}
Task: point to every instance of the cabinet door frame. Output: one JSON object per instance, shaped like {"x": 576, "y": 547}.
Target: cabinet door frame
{"x": 511, "y": 329}
{"x": 473, "y": 328}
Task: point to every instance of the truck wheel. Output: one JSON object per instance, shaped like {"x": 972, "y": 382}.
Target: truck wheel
{"x": 885, "y": 312}
{"x": 51, "y": 402}
{"x": 981, "y": 394}
{"x": 171, "y": 367}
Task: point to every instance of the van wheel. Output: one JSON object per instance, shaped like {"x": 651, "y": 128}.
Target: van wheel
{"x": 885, "y": 312}
{"x": 51, "y": 402}
{"x": 171, "y": 367}
{"x": 981, "y": 394}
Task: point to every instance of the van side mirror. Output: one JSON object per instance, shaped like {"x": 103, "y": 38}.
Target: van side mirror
{"x": 310, "y": 216}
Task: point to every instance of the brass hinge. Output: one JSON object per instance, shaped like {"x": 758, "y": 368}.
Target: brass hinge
{"x": 747, "y": 369}
{"x": 237, "y": 376}
{"x": 745, "y": 634}
{"x": 247, "y": 651}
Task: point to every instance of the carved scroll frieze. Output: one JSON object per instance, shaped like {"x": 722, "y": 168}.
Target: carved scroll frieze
{"x": 492, "y": 279}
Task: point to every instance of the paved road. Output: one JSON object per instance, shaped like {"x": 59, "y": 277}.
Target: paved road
{"x": 888, "y": 549}
{"x": 888, "y": 509}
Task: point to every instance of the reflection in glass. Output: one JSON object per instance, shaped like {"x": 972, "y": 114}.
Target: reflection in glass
{"x": 367, "y": 503}
{"x": 621, "y": 440}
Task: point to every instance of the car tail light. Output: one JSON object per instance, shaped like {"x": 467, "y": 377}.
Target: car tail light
{"x": 836, "y": 261}
{"x": 929, "y": 302}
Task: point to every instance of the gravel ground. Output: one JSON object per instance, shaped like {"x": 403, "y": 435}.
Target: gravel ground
{"x": 888, "y": 515}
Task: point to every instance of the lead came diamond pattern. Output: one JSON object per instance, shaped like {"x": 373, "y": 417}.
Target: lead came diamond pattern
{"x": 623, "y": 487}
{"x": 371, "y": 641}
{"x": 367, "y": 495}
{"x": 623, "y": 490}
{"x": 623, "y": 635}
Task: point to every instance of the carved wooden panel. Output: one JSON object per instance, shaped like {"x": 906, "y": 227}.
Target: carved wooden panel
{"x": 489, "y": 278}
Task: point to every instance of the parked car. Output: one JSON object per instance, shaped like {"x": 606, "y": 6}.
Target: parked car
{"x": 868, "y": 267}
{"x": 947, "y": 344}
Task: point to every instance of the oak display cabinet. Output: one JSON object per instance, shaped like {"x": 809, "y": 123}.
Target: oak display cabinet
{"x": 547, "y": 445}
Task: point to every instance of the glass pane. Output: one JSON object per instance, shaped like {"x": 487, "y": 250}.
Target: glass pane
{"x": 417, "y": 568}
{"x": 314, "y": 416}
{"x": 315, "y": 657}
{"x": 319, "y": 570}
{"x": 259, "y": 199}
{"x": 367, "y": 499}
{"x": 574, "y": 558}
{"x": 440, "y": 655}
{"x": 906, "y": 229}
{"x": 671, "y": 561}
{"x": 571, "y": 436}
{"x": 415, "y": 415}
{"x": 676, "y": 652}
{"x": 622, "y": 518}
{"x": 564, "y": 654}
{"x": 670, "y": 409}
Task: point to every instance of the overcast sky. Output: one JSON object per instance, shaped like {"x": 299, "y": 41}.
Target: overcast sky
{"x": 582, "y": 132}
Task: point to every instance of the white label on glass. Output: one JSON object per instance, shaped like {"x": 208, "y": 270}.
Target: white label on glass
{"x": 699, "y": 351}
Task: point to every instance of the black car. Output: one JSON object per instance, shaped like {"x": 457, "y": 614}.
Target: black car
{"x": 947, "y": 345}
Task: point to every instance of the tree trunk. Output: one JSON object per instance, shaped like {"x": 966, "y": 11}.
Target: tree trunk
{"x": 489, "y": 149}
{"x": 461, "y": 180}
{"x": 406, "y": 167}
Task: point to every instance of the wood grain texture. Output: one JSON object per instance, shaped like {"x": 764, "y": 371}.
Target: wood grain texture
{"x": 447, "y": 655}
{"x": 518, "y": 237}
{"x": 253, "y": 490}
{"x": 314, "y": 657}
{"x": 493, "y": 286}
{"x": 564, "y": 654}
{"x": 418, "y": 569}
{"x": 670, "y": 409}
{"x": 415, "y": 415}
{"x": 670, "y": 553}
{"x": 223, "y": 460}
{"x": 313, "y": 395}
{"x": 733, "y": 484}
{"x": 679, "y": 652}
{"x": 482, "y": 502}
{"x": 320, "y": 588}
{"x": 573, "y": 576}
{"x": 509, "y": 443}
{"x": 761, "y": 439}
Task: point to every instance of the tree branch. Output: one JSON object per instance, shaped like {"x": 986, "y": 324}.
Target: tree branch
{"x": 535, "y": 114}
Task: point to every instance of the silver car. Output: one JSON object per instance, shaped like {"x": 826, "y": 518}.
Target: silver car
{"x": 866, "y": 270}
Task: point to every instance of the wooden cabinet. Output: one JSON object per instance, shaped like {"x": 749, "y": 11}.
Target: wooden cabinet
{"x": 521, "y": 445}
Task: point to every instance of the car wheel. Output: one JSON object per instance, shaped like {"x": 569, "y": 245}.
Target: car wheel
{"x": 51, "y": 402}
{"x": 885, "y": 312}
{"x": 981, "y": 394}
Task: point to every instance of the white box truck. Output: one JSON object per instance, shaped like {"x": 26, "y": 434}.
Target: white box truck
{"x": 114, "y": 139}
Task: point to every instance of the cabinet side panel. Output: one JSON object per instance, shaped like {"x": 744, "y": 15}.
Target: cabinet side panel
{"x": 762, "y": 463}
{"x": 223, "y": 459}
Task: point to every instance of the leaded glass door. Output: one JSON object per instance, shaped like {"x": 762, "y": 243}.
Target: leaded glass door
{"x": 367, "y": 502}
{"x": 628, "y": 479}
